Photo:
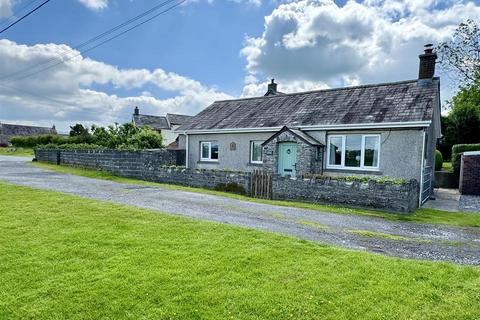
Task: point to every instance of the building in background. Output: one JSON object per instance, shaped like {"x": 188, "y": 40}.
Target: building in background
{"x": 8, "y": 131}
{"x": 165, "y": 125}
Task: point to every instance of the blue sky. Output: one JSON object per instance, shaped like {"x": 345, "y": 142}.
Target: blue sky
{"x": 207, "y": 50}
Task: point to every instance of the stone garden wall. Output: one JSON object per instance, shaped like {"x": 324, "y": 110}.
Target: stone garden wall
{"x": 153, "y": 165}
{"x": 374, "y": 194}
{"x": 160, "y": 166}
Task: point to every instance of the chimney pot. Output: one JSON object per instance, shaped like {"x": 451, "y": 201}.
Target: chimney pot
{"x": 427, "y": 63}
{"x": 137, "y": 111}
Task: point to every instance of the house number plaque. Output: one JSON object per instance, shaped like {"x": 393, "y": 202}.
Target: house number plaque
{"x": 233, "y": 146}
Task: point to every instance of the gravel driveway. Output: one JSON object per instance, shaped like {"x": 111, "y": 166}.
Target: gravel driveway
{"x": 412, "y": 240}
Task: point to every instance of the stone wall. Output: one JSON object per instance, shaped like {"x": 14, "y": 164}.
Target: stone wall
{"x": 151, "y": 165}
{"x": 380, "y": 195}
{"x": 470, "y": 174}
{"x": 122, "y": 163}
{"x": 159, "y": 166}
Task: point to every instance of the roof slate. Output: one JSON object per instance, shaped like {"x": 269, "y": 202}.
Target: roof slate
{"x": 178, "y": 119}
{"x": 161, "y": 122}
{"x": 155, "y": 122}
{"x": 387, "y": 102}
{"x": 21, "y": 130}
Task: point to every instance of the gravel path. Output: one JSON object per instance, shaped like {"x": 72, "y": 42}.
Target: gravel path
{"x": 418, "y": 241}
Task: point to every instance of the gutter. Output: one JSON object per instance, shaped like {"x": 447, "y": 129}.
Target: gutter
{"x": 353, "y": 126}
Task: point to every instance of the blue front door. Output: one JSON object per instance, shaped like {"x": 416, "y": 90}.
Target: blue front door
{"x": 287, "y": 158}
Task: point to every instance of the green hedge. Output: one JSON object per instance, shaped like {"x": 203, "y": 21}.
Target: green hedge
{"x": 438, "y": 160}
{"x": 33, "y": 141}
{"x": 71, "y": 146}
{"x": 457, "y": 151}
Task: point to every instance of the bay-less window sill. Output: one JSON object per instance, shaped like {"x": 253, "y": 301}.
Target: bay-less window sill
{"x": 253, "y": 164}
{"x": 359, "y": 170}
{"x": 208, "y": 161}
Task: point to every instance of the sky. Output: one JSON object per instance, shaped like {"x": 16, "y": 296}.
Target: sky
{"x": 206, "y": 50}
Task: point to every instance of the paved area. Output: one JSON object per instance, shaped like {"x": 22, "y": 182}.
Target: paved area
{"x": 451, "y": 200}
{"x": 418, "y": 241}
{"x": 445, "y": 199}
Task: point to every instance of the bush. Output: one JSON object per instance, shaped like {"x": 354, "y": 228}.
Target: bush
{"x": 438, "y": 160}
{"x": 71, "y": 146}
{"x": 457, "y": 151}
{"x": 33, "y": 141}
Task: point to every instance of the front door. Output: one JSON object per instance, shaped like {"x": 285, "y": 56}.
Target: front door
{"x": 287, "y": 158}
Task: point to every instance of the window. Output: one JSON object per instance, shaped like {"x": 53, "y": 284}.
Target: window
{"x": 354, "y": 151}
{"x": 256, "y": 152}
{"x": 209, "y": 151}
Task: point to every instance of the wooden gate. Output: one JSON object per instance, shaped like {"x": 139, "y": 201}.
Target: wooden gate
{"x": 261, "y": 184}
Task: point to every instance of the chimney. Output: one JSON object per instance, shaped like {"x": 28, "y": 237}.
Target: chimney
{"x": 137, "y": 111}
{"x": 272, "y": 89}
{"x": 427, "y": 63}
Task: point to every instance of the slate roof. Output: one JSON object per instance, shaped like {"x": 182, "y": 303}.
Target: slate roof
{"x": 178, "y": 119}
{"x": 160, "y": 122}
{"x": 386, "y": 102}
{"x": 155, "y": 122}
{"x": 13, "y": 130}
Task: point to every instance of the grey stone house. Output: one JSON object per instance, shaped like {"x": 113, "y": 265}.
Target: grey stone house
{"x": 387, "y": 129}
{"x": 8, "y": 131}
{"x": 165, "y": 125}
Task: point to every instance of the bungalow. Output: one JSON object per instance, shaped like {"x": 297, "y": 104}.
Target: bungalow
{"x": 388, "y": 129}
{"x": 165, "y": 125}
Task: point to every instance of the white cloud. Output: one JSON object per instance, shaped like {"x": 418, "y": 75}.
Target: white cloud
{"x": 6, "y": 8}
{"x": 319, "y": 42}
{"x": 95, "y": 5}
{"x": 65, "y": 94}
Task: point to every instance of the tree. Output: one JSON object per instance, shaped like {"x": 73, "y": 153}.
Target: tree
{"x": 462, "y": 125}
{"x": 78, "y": 130}
{"x": 461, "y": 54}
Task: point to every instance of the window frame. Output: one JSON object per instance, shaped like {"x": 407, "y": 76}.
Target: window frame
{"x": 252, "y": 143}
{"x": 209, "y": 143}
{"x": 362, "y": 153}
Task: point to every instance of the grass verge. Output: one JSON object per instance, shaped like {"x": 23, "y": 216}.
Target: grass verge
{"x": 67, "y": 257}
{"x": 21, "y": 152}
{"x": 464, "y": 219}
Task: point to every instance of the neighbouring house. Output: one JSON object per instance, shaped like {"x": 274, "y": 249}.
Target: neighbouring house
{"x": 165, "y": 125}
{"x": 8, "y": 131}
{"x": 388, "y": 129}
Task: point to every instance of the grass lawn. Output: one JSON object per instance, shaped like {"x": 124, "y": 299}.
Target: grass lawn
{"x": 21, "y": 152}
{"x": 447, "y": 166}
{"x": 465, "y": 219}
{"x": 66, "y": 257}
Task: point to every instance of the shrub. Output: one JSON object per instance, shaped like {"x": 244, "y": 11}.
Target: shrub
{"x": 438, "y": 160}
{"x": 230, "y": 187}
{"x": 457, "y": 151}
{"x": 33, "y": 141}
{"x": 71, "y": 146}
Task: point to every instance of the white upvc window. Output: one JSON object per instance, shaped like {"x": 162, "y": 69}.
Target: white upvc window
{"x": 256, "y": 151}
{"x": 353, "y": 152}
{"x": 209, "y": 151}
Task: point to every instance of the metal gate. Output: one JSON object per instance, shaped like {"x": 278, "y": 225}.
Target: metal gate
{"x": 427, "y": 183}
{"x": 262, "y": 184}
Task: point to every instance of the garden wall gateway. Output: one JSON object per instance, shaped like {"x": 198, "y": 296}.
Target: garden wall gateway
{"x": 163, "y": 166}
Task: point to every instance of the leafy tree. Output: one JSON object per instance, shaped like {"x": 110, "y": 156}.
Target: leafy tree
{"x": 462, "y": 125}
{"x": 78, "y": 130}
{"x": 461, "y": 54}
